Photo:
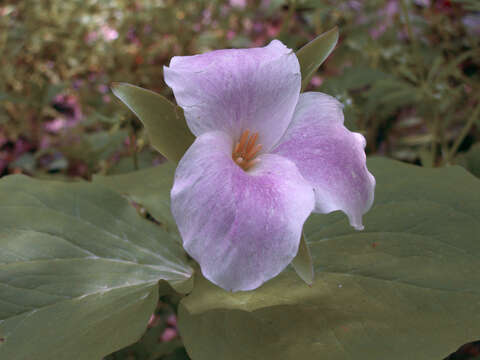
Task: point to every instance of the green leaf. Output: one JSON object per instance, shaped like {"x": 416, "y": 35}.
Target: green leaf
{"x": 164, "y": 121}
{"x": 303, "y": 263}
{"x": 149, "y": 188}
{"x": 470, "y": 160}
{"x": 79, "y": 270}
{"x": 313, "y": 54}
{"x": 408, "y": 287}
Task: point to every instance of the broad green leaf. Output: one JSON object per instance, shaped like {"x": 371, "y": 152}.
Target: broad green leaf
{"x": 470, "y": 160}
{"x": 149, "y": 187}
{"x": 303, "y": 263}
{"x": 313, "y": 54}
{"x": 408, "y": 287}
{"x": 164, "y": 121}
{"x": 79, "y": 270}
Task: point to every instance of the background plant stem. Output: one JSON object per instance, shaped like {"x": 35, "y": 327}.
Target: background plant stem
{"x": 463, "y": 134}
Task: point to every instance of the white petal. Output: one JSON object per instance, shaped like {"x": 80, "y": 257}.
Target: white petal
{"x": 243, "y": 228}
{"x": 330, "y": 156}
{"x": 238, "y": 89}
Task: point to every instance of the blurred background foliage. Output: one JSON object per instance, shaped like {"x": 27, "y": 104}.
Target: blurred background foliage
{"x": 406, "y": 70}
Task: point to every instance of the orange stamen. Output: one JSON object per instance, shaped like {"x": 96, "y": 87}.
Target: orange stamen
{"x": 237, "y": 148}
{"x": 251, "y": 142}
{"x": 243, "y": 139}
{"x": 245, "y": 150}
{"x": 253, "y": 151}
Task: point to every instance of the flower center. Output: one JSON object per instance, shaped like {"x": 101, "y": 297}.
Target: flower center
{"x": 245, "y": 150}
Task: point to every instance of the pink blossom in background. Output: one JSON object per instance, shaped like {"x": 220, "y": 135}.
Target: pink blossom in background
{"x": 78, "y": 83}
{"x": 265, "y": 3}
{"x": 355, "y": 4}
{"x": 386, "y": 13}
{"x": 69, "y": 106}
{"x": 273, "y": 30}
{"x": 91, "y": 37}
{"x": 21, "y": 147}
{"x": 70, "y": 113}
{"x": 168, "y": 335}
{"x": 10, "y": 150}
{"x": 103, "y": 88}
{"x": 106, "y": 32}
{"x": 56, "y": 125}
{"x": 247, "y": 24}
{"x": 45, "y": 143}
{"x": 207, "y": 17}
{"x": 258, "y": 27}
{"x": 231, "y": 34}
{"x": 238, "y": 3}
{"x": 109, "y": 33}
{"x": 224, "y": 10}
{"x": 132, "y": 36}
{"x": 316, "y": 81}
{"x": 423, "y": 3}
{"x": 147, "y": 29}
{"x": 92, "y": 77}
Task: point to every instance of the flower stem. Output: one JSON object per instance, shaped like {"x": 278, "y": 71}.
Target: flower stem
{"x": 435, "y": 137}
{"x": 133, "y": 146}
{"x": 288, "y": 18}
{"x": 463, "y": 134}
{"x": 413, "y": 40}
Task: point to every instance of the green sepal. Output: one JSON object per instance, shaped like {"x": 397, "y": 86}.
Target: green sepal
{"x": 163, "y": 120}
{"x": 313, "y": 54}
{"x": 302, "y": 263}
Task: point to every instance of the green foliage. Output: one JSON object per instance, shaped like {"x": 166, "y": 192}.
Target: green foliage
{"x": 313, "y": 54}
{"x": 163, "y": 120}
{"x": 408, "y": 76}
{"x": 149, "y": 188}
{"x": 471, "y": 160}
{"x": 78, "y": 48}
{"x": 405, "y": 288}
{"x": 303, "y": 263}
{"x": 78, "y": 270}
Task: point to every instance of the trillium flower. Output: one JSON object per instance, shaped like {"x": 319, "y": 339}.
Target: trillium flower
{"x": 265, "y": 157}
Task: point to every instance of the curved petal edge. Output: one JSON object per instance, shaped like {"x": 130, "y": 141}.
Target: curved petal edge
{"x": 243, "y": 228}
{"x": 234, "y": 90}
{"x": 329, "y": 156}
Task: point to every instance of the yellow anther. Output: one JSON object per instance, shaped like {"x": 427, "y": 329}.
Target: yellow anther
{"x": 246, "y": 149}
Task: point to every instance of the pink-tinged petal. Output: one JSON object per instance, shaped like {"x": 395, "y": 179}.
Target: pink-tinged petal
{"x": 238, "y": 89}
{"x": 243, "y": 228}
{"x": 330, "y": 156}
